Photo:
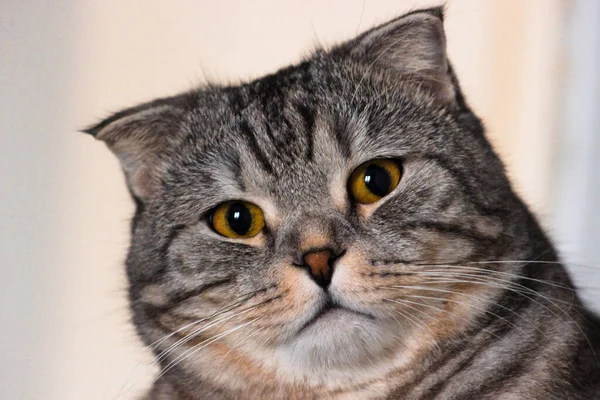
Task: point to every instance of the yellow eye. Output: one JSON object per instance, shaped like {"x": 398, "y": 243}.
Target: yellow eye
{"x": 237, "y": 219}
{"x": 374, "y": 180}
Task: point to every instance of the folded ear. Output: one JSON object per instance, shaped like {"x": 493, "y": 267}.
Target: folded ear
{"x": 413, "y": 45}
{"x": 141, "y": 137}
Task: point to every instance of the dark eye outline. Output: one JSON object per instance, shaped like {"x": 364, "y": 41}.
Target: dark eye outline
{"x": 358, "y": 189}
{"x": 218, "y": 220}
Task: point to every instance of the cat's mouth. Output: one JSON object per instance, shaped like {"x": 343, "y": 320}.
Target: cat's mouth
{"x": 331, "y": 311}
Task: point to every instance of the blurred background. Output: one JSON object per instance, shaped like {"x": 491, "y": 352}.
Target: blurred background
{"x": 530, "y": 68}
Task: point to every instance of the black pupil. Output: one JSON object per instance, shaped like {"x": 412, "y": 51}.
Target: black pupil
{"x": 239, "y": 218}
{"x": 377, "y": 180}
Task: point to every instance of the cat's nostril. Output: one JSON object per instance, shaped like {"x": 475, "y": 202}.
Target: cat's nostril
{"x": 320, "y": 264}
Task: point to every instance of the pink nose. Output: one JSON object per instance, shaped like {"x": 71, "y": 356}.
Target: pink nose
{"x": 319, "y": 265}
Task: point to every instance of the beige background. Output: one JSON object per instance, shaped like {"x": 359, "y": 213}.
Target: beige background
{"x": 64, "y": 208}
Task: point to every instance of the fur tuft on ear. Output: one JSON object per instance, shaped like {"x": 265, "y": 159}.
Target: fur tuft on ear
{"x": 141, "y": 138}
{"x": 413, "y": 45}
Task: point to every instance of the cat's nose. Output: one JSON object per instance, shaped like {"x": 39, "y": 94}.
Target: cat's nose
{"x": 320, "y": 264}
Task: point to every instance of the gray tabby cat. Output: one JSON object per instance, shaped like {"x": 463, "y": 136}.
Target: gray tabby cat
{"x": 343, "y": 229}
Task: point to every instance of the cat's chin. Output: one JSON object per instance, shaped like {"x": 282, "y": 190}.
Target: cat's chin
{"x": 337, "y": 339}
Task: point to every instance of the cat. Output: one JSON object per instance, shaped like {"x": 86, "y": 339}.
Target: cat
{"x": 342, "y": 228}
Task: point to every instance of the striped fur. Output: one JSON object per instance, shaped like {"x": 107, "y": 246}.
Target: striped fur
{"x": 449, "y": 288}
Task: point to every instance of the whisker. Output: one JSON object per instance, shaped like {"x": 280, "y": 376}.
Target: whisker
{"x": 362, "y": 11}
{"x": 565, "y": 263}
{"x": 199, "y": 347}
{"x": 196, "y": 332}
{"x": 418, "y": 322}
{"x": 190, "y": 336}
{"x": 490, "y": 271}
{"x": 158, "y": 342}
{"x": 218, "y": 312}
{"x": 486, "y": 279}
{"x": 471, "y": 305}
{"x": 245, "y": 338}
{"x": 414, "y": 308}
{"x": 478, "y": 308}
{"x": 565, "y": 312}
{"x": 237, "y": 344}
{"x": 406, "y": 302}
{"x": 503, "y": 287}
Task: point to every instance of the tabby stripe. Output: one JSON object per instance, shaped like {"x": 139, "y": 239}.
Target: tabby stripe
{"x": 515, "y": 301}
{"x": 236, "y": 100}
{"x": 188, "y": 318}
{"x": 447, "y": 229}
{"x": 511, "y": 300}
{"x": 139, "y": 210}
{"x": 433, "y": 370}
{"x": 499, "y": 380}
{"x": 150, "y": 277}
{"x": 171, "y": 236}
{"x": 181, "y": 297}
{"x": 439, "y": 387}
{"x": 309, "y": 125}
{"x": 254, "y": 146}
{"x": 456, "y": 351}
{"x": 272, "y": 138}
{"x": 340, "y": 131}
{"x": 465, "y": 186}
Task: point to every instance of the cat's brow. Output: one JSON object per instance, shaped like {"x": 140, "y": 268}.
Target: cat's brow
{"x": 253, "y": 145}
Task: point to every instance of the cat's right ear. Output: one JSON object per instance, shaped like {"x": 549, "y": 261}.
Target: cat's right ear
{"x": 141, "y": 137}
{"x": 412, "y": 46}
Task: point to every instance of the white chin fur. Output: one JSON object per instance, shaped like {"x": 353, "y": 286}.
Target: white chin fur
{"x": 338, "y": 343}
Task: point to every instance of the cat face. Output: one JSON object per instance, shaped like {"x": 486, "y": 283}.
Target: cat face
{"x": 297, "y": 222}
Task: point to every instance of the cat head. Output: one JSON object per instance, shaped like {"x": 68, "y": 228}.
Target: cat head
{"x": 295, "y": 222}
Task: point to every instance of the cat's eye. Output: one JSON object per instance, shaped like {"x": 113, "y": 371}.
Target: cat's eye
{"x": 374, "y": 180}
{"x": 237, "y": 219}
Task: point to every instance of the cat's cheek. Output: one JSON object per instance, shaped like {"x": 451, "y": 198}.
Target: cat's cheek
{"x": 348, "y": 285}
{"x": 298, "y": 292}
{"x": 154, "y": 295}
{"x": 295, "y": 282}
{"x": 437, "y": 247}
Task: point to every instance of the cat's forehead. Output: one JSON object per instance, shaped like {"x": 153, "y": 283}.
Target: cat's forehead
{"x": 287, "y": 157}
{"x": 299, "y": 132}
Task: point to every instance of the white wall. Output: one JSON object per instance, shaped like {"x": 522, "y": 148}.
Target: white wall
{"x": 63, "y": 206}
{"x": 576, "y": 190}
{"x": 36, "y": 52}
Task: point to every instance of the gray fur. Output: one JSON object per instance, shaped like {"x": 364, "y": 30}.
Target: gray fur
{"x": 512, "y": 329}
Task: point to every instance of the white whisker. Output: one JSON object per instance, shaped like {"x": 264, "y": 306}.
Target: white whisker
{"x": 471, "y": 305}
{"x": 199, "y": 347}
{"x": 406, "y": 302}
{"x": 533, "y": 292}
{"x": 220, "y": 320}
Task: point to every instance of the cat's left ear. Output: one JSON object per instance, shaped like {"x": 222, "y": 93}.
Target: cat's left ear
{"x": 142, "y": 138}
{"x": 413, "y": 46}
